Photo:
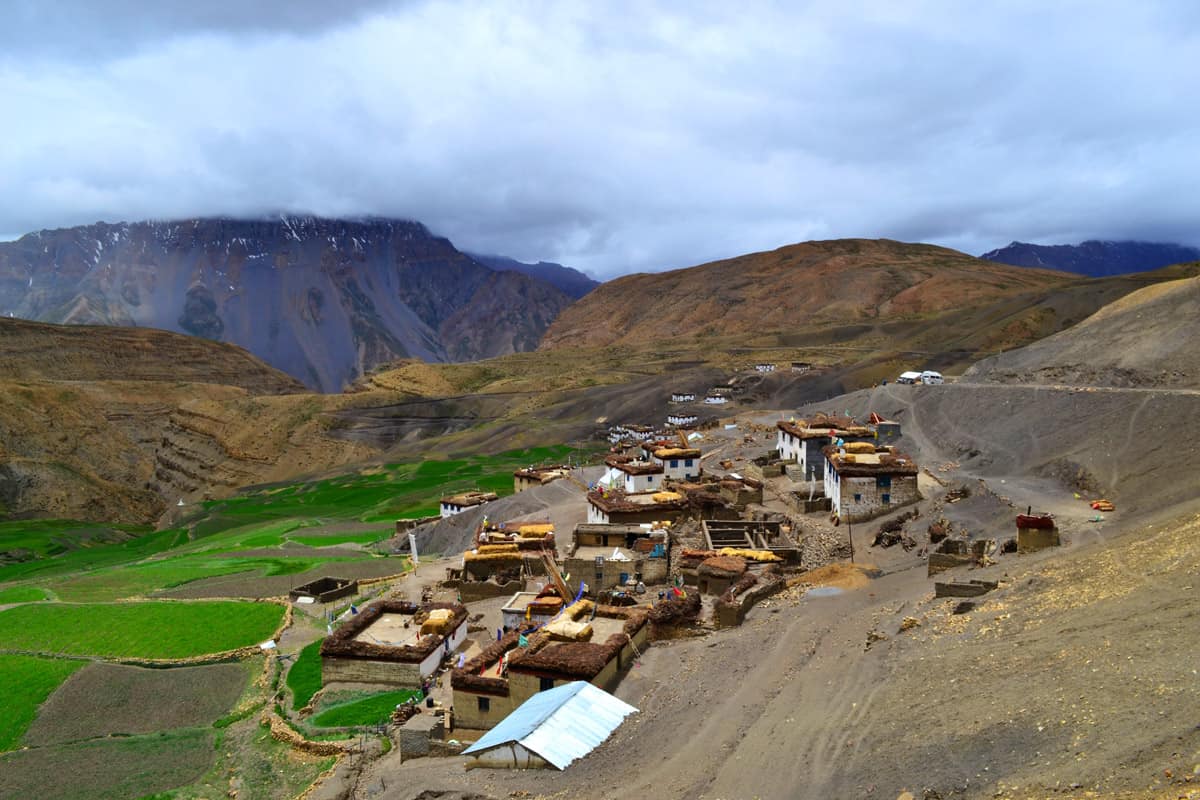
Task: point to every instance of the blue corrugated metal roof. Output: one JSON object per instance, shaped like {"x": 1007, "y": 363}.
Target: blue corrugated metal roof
{"x": 559, "y": 724}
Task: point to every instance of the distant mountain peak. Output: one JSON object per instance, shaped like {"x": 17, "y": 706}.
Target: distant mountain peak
{"x": 1096, "y": 258}
{"x": 322, "y": 298}
{"x": 571, "y": 282}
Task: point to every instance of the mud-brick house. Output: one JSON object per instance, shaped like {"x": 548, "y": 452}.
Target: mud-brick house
{"x": 458, "y": 503}
{"x": 716, "y": 397}
{"x": 587, "y": 642}
{"x": 801, "y": 441}
{"x": 678, "y": 463}
{"x": 863, "y": 481}
{"x": 764, "y": 367}
{"x": 393, "y": 643}
{"x": 683, "y": 396}
{"x": 632, "y": 475}
{"x": 801, "y": 366}
{"x": 532, "y": 477}
{"x": 681, "y": 419}
{"x": 606, "y": 556}
{"x": 616, "y": 506}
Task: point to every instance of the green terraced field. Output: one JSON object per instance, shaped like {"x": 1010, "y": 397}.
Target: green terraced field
{"x": 43, "y": 541}
{"x": 21, "y": 594}
{"x": 377, "y": 494}
{"x": 304, "y": 678}
{"x": 138, "y": 630}
{"x": 27, "y": 682}
{"x": 373, "y": 710}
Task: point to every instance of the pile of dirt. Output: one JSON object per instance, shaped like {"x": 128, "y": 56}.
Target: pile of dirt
{"x": 840, "y": 575}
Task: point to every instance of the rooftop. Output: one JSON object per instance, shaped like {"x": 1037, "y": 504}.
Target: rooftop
{"x": 854, "y": 465}
{"x": 469, "y": 498}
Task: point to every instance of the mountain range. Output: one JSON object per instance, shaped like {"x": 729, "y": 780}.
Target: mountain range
{"x": 1094, "y": 258}
{"x": 570, "y": 282}
{"x": 321, "y": 299}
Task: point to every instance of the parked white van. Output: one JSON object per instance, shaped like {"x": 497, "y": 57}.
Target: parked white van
{"x": 929, "y": 376}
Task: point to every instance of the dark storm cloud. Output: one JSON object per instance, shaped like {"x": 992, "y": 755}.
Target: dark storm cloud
{"x": 90, "y": 28}
{"x": 616, "y": 137}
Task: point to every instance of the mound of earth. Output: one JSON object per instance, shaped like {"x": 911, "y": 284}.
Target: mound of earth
{"x": 1143, "y": 339}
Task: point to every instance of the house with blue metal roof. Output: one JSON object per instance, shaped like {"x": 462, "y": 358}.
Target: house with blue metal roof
{"x": 552, "y": 728}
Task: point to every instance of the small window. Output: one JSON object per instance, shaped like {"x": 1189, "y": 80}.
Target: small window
{"x": 887, "y": 499}
{"x": 687, "y": 463}
{"x": 545, "y": 684}
{"x": 485, "y": 703}
{"x": 674, "y": 463}
{"x": 883, "y": 481}
{"x": 649, "y": 479}
{"x": 857, "y": 497}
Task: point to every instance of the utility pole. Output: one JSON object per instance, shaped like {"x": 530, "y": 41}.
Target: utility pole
{"x": 850, "y": 534}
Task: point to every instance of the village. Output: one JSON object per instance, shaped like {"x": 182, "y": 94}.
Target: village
{"x": 528, "y": 611}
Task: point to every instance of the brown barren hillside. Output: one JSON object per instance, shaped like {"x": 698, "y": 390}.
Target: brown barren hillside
{"x": 1144, "y": 339}
{"x": 803, "y": 285}
{"x": 39, "y": 351}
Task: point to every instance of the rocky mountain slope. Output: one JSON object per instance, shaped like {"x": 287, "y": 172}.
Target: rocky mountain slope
{"x": 571, "y": 282}
{"x": 38, "y": 351}
{"x": 322, "y": 299}
{"x": 1094, "y": 258}
{"x": 1144, "y": 339}
{"x": 801, "y": 286}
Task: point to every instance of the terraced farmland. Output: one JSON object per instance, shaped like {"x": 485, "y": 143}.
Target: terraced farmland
{"x": 27, "y": 681}
{"x": 162, "y": 630}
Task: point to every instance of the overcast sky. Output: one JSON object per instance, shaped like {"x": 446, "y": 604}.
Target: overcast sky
{"x": 608, "y": 136}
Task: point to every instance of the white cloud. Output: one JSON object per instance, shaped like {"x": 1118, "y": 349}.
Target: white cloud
{"x": 617, "y": 137}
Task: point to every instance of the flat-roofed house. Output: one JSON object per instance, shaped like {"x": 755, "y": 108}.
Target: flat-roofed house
{"x": 862, "y": 481}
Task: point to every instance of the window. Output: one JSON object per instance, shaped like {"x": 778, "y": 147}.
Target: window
{"x": 883, "y": 481}
{"x": 887, "y": 499}
{"x": 687, "y": 463}
{"x": 674, "y": 463}
{"x": 485, "y": 703}
{"x": 857, "y": 497}
{"x": 545, "y": 683}
{"x": 649, "y": 479}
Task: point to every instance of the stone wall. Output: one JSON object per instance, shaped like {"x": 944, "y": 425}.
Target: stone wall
{"x": 471, "y": 591}
{"x": 363, "y": 670}
{"x": 901, "y": 492}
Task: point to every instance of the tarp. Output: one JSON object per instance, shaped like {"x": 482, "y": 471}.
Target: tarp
{"x": 560, "y": 724}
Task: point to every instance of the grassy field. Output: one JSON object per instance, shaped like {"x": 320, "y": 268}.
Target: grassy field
{"x": 27, "y": 682}
{"x": 304, "y": 678}
{"x": 138, "y": 630}
{"x": 373, "y": 710}
{"x": 21, "y": 594}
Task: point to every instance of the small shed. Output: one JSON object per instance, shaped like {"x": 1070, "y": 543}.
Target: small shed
{"x": 552, "y": 729}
